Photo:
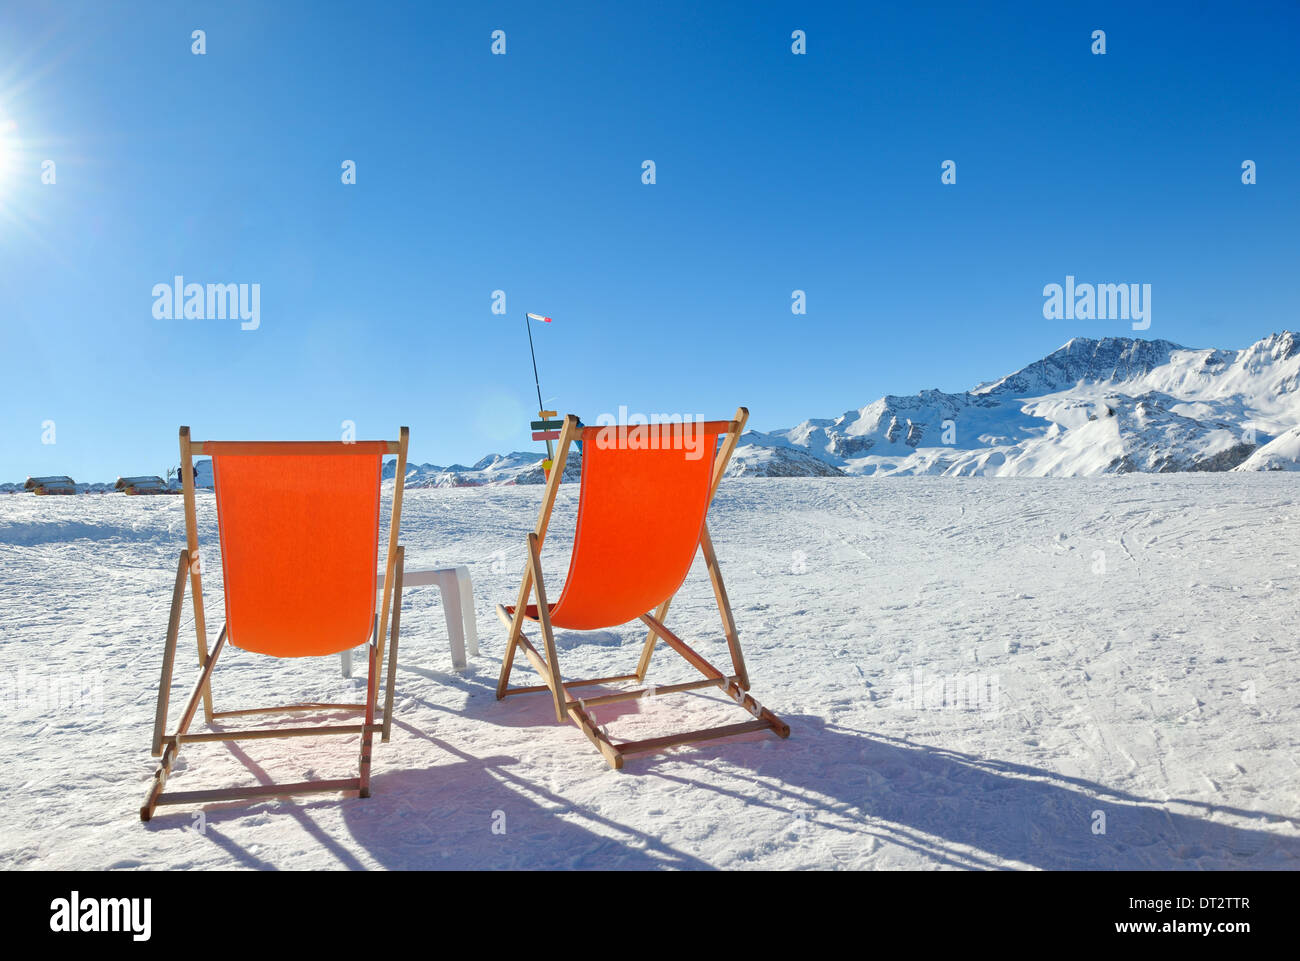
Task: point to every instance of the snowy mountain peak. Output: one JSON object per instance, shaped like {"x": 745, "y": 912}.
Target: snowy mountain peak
{"x": 1276, "y": 347}
{"x": 1093, "y": 406}
{"x": 1084, "y": 359}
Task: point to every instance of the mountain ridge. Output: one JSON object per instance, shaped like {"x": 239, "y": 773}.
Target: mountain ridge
{"x": 1092, "y": 406}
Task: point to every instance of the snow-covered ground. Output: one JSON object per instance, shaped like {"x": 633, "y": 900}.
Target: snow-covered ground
{"x": 1119, "y": 653}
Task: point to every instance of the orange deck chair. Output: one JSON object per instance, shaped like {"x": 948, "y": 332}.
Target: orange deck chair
{"x": 641, "y": 518}
{"x": 299, "y": 529}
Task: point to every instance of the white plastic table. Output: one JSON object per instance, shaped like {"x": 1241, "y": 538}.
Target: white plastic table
{"x": 457, "y": 605}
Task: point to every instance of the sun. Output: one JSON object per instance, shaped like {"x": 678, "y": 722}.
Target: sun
{"x": 9, "y": 150}
{"x": 19, "y": 173}
{"x": 6, "y": 151}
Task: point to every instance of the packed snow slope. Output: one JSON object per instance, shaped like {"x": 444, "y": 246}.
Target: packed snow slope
{"x": 1111, "y": 406}
{"x": 978, "y": 673}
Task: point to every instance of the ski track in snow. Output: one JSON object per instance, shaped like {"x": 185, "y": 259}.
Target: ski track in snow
{"x": 1139, "y": 631}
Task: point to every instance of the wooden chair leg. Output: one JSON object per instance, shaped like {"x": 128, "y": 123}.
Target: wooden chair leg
{"x": 724, "y": 608}
{"x": 392, "y": 643}
{"x": 196, "y": 576}
{"x": 567, "y": 434}
{"x": 372, "y": 688}
{"x": 597, "y": 737}
{"x": 516, "y": 628}
{"x": 169, "y": 654}
{"x": 651, "y": 639}
{"x": 544, "y": 618}
{"x": 508, "y": 659}
{"x": 174, "y": 743}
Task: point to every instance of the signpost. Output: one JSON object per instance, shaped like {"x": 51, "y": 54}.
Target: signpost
{"x": 548, "y": 428}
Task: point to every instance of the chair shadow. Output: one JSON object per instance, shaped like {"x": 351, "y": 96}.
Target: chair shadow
{"x": 215, "y": 814}
{"x": 479, "y": 686}
{"x": 858, "y": 789}
{"x": 474, "y": 813}
{"x": 962, "y": 810}
{"x": 477, "y": 814}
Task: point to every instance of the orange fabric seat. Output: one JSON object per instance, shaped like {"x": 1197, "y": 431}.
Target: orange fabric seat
{"x": 642, "y": 509}
{"x": 299, "y": 544}
{"x": 640, "y": 513}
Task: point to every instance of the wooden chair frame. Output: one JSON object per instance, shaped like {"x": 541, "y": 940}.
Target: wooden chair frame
{"x": 167, "y": 746}
{"x": 577, "y": 710}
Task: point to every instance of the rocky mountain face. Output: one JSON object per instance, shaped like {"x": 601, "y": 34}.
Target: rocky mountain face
{"x": 1114, "y": 405}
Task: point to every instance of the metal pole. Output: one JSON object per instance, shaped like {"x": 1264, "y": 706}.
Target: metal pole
{"x": 550, "y": 451}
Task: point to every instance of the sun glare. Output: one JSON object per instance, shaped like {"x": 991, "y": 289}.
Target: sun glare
{"x": 14, "y": 162}
{"x": 6, "y": 132}
{"x": 8, "y": 154}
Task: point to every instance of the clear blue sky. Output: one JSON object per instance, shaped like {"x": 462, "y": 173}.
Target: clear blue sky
{"x": 523, "y": 173}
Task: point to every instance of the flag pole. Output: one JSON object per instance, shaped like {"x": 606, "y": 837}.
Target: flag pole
{"x": 550, "y": 451}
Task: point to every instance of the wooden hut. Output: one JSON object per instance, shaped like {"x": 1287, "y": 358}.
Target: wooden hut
{"x": 142, "y": 485}
{"x": 51, "y": 485}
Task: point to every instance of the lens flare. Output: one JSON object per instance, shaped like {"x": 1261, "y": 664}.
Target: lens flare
{"x": 8, "y": 146}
